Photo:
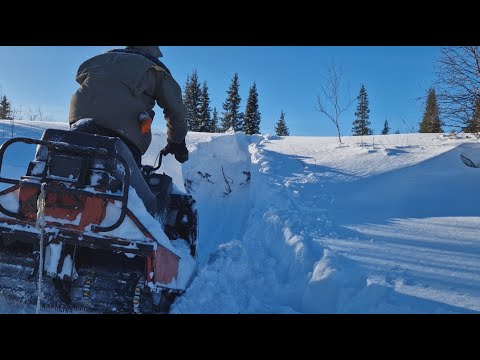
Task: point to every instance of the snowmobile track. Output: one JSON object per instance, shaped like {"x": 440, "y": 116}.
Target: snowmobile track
{"x": 98, "y": 289}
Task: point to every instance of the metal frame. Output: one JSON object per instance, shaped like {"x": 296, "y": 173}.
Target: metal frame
{"x": 54, "y": 147}
{"x": 74, "y": 237}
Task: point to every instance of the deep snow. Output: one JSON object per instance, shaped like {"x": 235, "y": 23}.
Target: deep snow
{"x": 385, "y": 224}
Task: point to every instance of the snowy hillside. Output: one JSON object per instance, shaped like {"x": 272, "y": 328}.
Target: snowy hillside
{"x": 385, "y": 224}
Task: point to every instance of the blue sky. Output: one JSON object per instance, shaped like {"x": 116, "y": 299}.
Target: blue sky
{"x": 288, "y": 78}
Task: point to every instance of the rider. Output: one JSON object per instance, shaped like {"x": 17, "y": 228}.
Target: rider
{"x": 118, "y": 90}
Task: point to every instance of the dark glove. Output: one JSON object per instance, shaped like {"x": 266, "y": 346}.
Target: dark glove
{"x": 178, "y": 149}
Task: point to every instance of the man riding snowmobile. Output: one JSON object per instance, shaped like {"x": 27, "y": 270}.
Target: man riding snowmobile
{"x": 76, "y": 207}
{"x": 117, "y": 92}
{"x": 90, "y": 179}
{"x": 117, "y": 88}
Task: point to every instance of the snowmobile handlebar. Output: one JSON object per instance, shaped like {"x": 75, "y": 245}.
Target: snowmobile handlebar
{"x": 147, "y": 170}
{"x": 161, "y": 154}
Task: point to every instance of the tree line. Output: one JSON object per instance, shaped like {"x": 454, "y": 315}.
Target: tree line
{"x": 8, "y": 112}
{"x": 430, "y": 122}
{"x": 453, "y": 100}
{"x": 201, "y": 117}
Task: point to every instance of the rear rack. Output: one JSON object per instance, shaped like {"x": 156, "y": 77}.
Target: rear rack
{"x": 56, "y": 147}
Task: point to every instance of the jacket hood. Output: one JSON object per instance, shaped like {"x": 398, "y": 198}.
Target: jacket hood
{"x": 152, "y": 50}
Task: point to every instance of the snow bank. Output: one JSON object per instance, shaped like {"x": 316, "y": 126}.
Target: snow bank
{"x": 378, "y": 224}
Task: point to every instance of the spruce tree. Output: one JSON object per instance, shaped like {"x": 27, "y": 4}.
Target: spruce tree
{"x": 231, "y": 117}
{"x": 431, "y": 122}
{"x": 473, "y": 126}
{"x": 361, "y": 126}
{"x": 191, "y": 100}
{"x": 214, "y": 120}
{"x": 281, "y": 128}
{"x": 5, "y": 109}
{"x": 386, "y": 128}
{"x": 187, "y": 101}
{"x": 252, "y": 117}
{"x": 205, "y": 123}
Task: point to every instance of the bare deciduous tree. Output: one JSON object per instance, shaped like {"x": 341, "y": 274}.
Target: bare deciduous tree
{"x": 18, "y": 113}
{"x": 36, "y": 115}
{"x": 458, "y": 83}
{"x": 328, "y": 102}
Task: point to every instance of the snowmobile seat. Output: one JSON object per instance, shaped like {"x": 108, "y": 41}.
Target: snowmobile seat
{"x": 100, "y": 170}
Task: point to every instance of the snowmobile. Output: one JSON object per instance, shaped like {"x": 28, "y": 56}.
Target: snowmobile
{"x": 87, "y": 230}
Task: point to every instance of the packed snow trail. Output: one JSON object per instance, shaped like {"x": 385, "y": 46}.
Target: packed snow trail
{"x": 275, "y": 265}
{"x": 237, "y": 272}
{"x": 300, "y": 254}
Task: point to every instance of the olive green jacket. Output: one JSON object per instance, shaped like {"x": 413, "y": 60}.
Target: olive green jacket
{"x": 116, "y": 87}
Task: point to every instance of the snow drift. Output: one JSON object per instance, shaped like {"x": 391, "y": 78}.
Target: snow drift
{"x": 385, "y": 224}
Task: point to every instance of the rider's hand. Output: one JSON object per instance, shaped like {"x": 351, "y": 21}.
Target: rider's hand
{"x": 178, "y": 149}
